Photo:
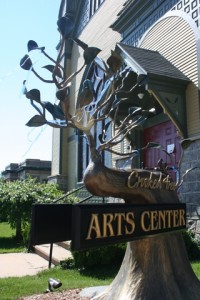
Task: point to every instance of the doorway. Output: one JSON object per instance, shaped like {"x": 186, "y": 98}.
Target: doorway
{"x": 166, "y": 135}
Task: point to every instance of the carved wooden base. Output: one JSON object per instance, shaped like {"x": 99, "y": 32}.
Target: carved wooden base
{"x": 155, "y": 268}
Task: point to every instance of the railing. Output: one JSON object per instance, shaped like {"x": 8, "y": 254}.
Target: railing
{"x": 93, "y": 198}
{"x": 86, "y": 199}
{"x": 68, "y": 194}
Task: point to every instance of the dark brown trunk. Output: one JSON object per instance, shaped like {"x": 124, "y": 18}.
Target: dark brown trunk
{"x": 156, "y": 267}
{"x": 103, "y": 181}
{"x": 19, "y": 230}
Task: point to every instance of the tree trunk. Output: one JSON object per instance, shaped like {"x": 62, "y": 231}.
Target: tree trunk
{"x": 153, "y": 268}
{"x": 19, "y": 230}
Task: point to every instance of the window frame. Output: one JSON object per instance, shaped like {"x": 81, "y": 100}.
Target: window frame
{"x": 94, "y": 6}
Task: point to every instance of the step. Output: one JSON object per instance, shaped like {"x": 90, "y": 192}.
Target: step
{"x": 66, "y": 245}
{"x": 58, "y": 254}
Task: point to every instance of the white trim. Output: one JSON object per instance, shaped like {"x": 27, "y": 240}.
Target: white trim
{"x": 129, "y": 60}
{"x": 175, "y": 13}
{"x": 187, "y": 18}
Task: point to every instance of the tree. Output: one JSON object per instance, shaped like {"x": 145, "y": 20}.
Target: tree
{"x": 17, "y": 198}
{"x": 154, "y": 267}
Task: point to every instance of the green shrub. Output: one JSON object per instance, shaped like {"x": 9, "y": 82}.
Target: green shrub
{"x": 192, "y": 246}
{"x": 68, "y": 263}
{"x": 71, "y": 199}
{"x": 105, "y": 255}
{"x": 114, "y": 254}
{"x": 17, "y": 198}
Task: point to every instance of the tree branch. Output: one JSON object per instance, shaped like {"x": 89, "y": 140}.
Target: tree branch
{"x": 41, "y": 78}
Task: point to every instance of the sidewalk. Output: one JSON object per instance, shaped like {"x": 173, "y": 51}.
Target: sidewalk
{"x": 22, "y": 264}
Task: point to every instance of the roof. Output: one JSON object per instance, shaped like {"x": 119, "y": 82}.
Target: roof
{"x": 151, "y": 62}
{"x": 126, "y": 6}
{"x": 129, "y": 13}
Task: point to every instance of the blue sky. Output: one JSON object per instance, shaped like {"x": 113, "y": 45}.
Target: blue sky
{"x": 21, "y": 21}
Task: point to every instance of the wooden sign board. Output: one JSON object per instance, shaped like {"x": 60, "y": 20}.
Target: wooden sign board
{"x": 95, "y": 225}
{"x": 50, "y": 223}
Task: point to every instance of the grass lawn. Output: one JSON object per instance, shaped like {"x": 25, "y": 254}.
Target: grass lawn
{"x": 196, "y": 268}
{"x": 8, "y": 242}
{"x": 13, "y": 288}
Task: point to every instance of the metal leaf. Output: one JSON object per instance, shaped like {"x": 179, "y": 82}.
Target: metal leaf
{"x": 101, "y": 138}
{"x": 63, "y": 93}
{"x": 80, "y": 43}
{"x": 33, "y": 94}
{"x": 58, "y": 113}
{"x": 54, "y": 110}
{"x": 32, "y": 45}
{"x": 107, "y": 126}
{"x": 51, "y": 69}
{"x": 99, "y": 62}
{"x": 57, "y": 124}
{"x": 36, "y": 121}
{"x": 49, "y": 106}
{"x": 89, "y": 54}
{"x": 114, "y": 61}
{"x": 65, "y": 26}
{"x": 26, "y": 63}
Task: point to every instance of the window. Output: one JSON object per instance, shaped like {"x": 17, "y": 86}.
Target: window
{"x": 94, "y": 5}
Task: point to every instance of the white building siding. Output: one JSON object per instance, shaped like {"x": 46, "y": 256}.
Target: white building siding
{"x": 174, "y": 38}
{"x": 97, "y": 33}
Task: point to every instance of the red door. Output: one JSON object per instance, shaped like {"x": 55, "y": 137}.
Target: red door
{"x": 166, "y": 135}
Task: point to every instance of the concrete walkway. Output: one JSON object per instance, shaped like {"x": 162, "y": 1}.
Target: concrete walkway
{"x": 22, "y": 264}
{"x": 60, "y": 252}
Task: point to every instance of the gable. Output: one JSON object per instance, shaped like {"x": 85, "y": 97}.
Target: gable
{"x": 175, "y": 37}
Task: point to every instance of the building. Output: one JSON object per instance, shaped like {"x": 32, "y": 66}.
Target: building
{"x": 156, "y": 38}
{"x": 35, "y": 168}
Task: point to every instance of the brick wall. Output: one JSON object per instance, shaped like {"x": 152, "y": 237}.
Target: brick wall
{"x": 190, "y": 189}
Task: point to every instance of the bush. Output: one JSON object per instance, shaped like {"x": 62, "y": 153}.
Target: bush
{"x": 114, "y": 254}
{"x": 105, "y": 255}
{"x": 191, "y": 244}
{"x": 16, "y": 199}
{"x": 3, "y": 210}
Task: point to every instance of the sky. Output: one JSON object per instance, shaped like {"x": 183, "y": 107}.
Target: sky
{"x": 21, "y": 21}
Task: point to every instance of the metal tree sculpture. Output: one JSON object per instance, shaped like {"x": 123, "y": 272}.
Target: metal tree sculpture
{"x": 154, "y": 267}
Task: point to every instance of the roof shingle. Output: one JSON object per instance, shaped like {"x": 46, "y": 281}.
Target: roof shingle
{"x": 152, "y": 62}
